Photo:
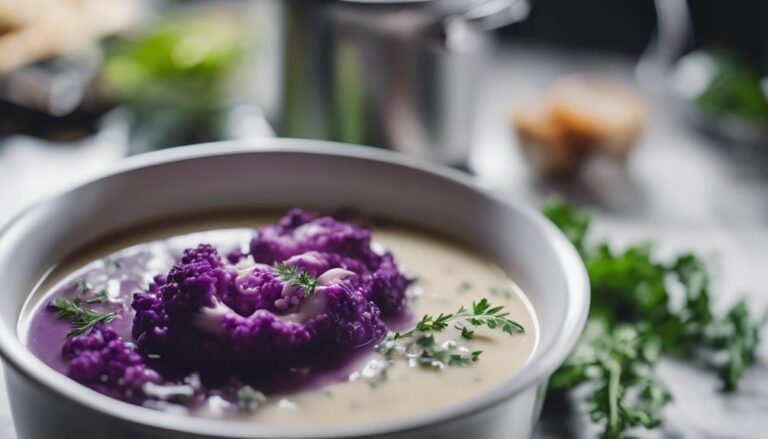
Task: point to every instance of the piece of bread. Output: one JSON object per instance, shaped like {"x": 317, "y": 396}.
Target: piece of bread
{"x": 598, "y": 112}
{"x": 19, "y": 13}
{"x": 579, "y": 117}
{"x": 58, "y": 27}
{"x": 542, "y": 141}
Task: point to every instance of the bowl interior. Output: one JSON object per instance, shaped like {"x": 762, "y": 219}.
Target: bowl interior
{"x": 279, "y": 174}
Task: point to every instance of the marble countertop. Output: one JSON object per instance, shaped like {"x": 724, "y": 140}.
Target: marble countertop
{"x": 681, "y": 190}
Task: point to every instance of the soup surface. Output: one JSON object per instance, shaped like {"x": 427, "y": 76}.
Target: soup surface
{"x": 376, "y": 376}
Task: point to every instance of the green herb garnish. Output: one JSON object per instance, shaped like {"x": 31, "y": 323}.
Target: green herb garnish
{"x": 100, "y": 297}
{"x": 481, "y": 314}
{"x": 617, "y": 365}
{"x": 464, "y": 287}
{"x": 734, "y": 89}
{"x": 502, "y": 292}
{"x": 249, "y": 399}
{"x": 82, "y": 286}
{"x": 82, "y": 319}
{"x": 419, "y": 345}
{"x": 634, "y": 320}
{"x": 294, "y": 277}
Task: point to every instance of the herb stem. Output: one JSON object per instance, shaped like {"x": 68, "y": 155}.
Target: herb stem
{"x": 614, "y": 384}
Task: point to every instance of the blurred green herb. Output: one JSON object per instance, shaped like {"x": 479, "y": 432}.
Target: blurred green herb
{"x": 734, "y": 89}
{"x": 634, "y": 320}
{"x": 249, "y": 399}
{"x": 82, "y": 286}
{"x": 174, "y": 77}
{"x": 617, "y": 363}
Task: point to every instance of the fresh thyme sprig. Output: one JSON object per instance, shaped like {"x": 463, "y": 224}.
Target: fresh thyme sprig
{"x": 82, "y": 319}
{"x": 294, "y": 277}
{"x": 419, "y": 346}
{"x": 481, "y": 314}
{"x": 632, "y": 292}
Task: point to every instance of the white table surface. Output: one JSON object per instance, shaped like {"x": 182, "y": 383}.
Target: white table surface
{"x": 681, "y": 189}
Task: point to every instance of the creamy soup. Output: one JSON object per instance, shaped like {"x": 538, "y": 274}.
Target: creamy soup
{"x": 376, "y": 376}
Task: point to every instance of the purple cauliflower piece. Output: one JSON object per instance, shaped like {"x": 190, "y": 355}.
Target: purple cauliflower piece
{"x": 242, "y": 319}
{"x": 317, "y": 244}
{"x": 292, "y": 236}
{"x": 240, "y": 316}
{"x": 103, "y": 360}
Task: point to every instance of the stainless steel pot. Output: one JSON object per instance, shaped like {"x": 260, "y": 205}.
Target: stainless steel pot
{"x": 395, "y": 74}
{"x": 281, "y": 173}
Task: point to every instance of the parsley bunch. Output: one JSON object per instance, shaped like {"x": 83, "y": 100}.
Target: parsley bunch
{"x": 635, "y": 319}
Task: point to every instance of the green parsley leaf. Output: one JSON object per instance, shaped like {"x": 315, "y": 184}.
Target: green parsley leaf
{"x": 634, "y": 320}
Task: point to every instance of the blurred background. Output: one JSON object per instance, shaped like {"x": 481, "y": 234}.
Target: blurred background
{"x": 652, "y": 113}
{"x": 610, "y": 103}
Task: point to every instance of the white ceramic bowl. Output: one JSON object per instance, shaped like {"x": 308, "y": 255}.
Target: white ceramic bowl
{"x": 280, "y": 173}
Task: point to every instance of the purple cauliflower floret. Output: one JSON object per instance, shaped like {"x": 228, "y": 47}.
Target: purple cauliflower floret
{"x": 388, "y": 286}
{"x": 321, "y": 243}
{"x": 292, "y": 236}
{"x": 103, "y": 360}
{"x": 356, "y": 320}
{"x": 261, "y": 289}
{"x": 195, "y": 281}
{"x": 239, "y": 316}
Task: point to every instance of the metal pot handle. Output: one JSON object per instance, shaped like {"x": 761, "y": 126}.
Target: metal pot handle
{"x": 494, "y": 14}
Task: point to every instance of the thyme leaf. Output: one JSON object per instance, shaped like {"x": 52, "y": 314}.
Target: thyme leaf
{"x": 82, "y": 319}
{"x": 419, "y": 346}
{"x": 294, "y": 277}
{"x": 481, "y": 314}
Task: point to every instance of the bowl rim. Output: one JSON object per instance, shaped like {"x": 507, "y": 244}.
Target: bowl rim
{"x": 546, "y": 360}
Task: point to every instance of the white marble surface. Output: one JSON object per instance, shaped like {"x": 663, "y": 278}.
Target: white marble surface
{"x": 680, "y": 189}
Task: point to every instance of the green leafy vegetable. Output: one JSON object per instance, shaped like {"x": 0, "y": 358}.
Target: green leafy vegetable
{"x": 294, "y": 277}
{"x": 635, "y": 318}
{"x": 82, "y": 319}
